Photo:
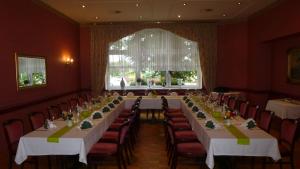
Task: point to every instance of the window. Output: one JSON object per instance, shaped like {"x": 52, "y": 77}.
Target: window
{"x": 154, "y": 58}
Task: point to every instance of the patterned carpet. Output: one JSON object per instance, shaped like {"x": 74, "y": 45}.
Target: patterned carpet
{"x": 150, "y": 153}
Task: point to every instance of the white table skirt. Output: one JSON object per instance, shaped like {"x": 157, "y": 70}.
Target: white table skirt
{"x": 149, "y": 102}
{"x": 284, "y": 109}
{"x": 74, "y": 142}
{"x": 222, "y": 142}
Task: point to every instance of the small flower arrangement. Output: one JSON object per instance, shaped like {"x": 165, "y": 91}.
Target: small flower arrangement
{"x": 195, "y": 109}
{"x": 116, "y": 101}
{"x": 138, "y": 80}
{"x": 111, "y": 105}
{"x": 184, "y": 98}
{"x": 120, "y": 98}
{"x": 190, "y": 104}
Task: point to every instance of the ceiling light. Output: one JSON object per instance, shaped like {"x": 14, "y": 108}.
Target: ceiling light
{"x": 184, "y": 4}
{"x": 141, "y": 17}
{"x": 137, "y": 5}
{"x": 97, "y": 17}
{"x": 224, "y": 15}
{"x": 83, "y": 6}
{"x": 158, "y": 22}
{"x": 179, "y": 16}
{"x": 239, "y": 3}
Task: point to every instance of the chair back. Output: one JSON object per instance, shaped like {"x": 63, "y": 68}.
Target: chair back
{"x": 243, "y": 108}
{"x": 219, "y": 98}
{"x": 54, "y": 112}
{"x": 73, "y": 103}
{"x": 265, "y": 120}
{"x": 64, "y": 106}
{"x": 252, "y": 111}
{"x": 288, "y": 132}
{"x": 232, "y": 103}
{"x": 37, "y": 120}
{"x": 123, "y": 130}
{"x": 14, "y": 130}
{"x": 170, "y": 132}
{"x": 225, "y": 99}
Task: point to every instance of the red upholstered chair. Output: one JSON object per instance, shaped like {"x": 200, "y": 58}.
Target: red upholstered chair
{"x": 225, "y": 99}
{"x": 287, "y": 141}
{"x": 243, "y": 108}
{"x": 64, "y": 106}
{"x": 232, "y": 103}
{"x": 37, "y": 119}
{"x": 14, "y": 130}
{"x": 265, "y": 120}
{"x": 185, "y": 149}
{"x": 73, "y": 103}
{"x": 54, "y": 112}
{"x": 252, "y": 111}
{"x": 104, "y": 149}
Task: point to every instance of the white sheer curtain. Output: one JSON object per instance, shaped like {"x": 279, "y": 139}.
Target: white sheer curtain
{"x": 154, "y": 50}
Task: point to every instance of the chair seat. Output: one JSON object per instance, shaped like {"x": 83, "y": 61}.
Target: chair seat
{"x": 110, "y": 136}
{"x": 181, "y": 126}
{"x": 179, "y": 119}
{"x": 103, "y": 149}
{"x": 183, "y": 136}
{"x": 125, "y": 115}
{"x": 115, "y": 126}
{"x": 175, "y": 115}
{"x": 119, "y": 120}
{"x": 284, "y": 150}
{"x": 173, "y": 110}
{"x": 195, "y": 149}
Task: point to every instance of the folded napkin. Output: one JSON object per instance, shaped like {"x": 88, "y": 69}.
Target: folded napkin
{"x": 50, "y": 124}
{"x": 195, "y": 109}
{"x": 111, "y": 105}
{"x": 190, "y": 104}
{"x": 211, "y": 124}
{"x": 116, "y": 101}
{"x": 85, "y": 124}
{"x": 97, "y": 115}
{"x": 184, "y": 97}
{"x": 120, "y": 98}
{"x": 105, "y": 109}
{"x": 187, "y": 100}
{"x": 249, "y": 123}
{"x": 201, "y": 115}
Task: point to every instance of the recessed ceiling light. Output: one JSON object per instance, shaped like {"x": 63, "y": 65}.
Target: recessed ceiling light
{"x": 83, "y": 6}
{"x": 184, "y": 4}
{"x": 96, "y": 17}
{"x": 158, "y": 22}
{"x": 224, "y": 15}
{"x": 178, "y": 16}
{"x": 137, "y": 4}
{"x": 239, "y": 3}
{"x": 141, "y": 17}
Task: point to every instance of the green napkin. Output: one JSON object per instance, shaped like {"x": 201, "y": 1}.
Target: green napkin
{"x": 187, "y": 100}
{"x": 120, "y": 98}
{"x": 210, "y": 124}
{"x": 105, "y": 109}
{"x": 86, "y": 125}
{"x": 201, "y": 115}
{"x": 190, "y": 104}
{"x": 97, "y": 115}
{"x": 184, "y": 98}
{"x": 111, "y": 105}
{"x": 195, "y": 109}
{"x": 251, "y": 124}
{"x": 116, "y": 102}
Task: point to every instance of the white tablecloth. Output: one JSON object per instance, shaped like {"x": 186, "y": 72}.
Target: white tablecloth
{"x": 221, "y": 142}
{"x": 74, "y": 142}
{"x": 284, "y": 109}
{"x": 149, "y": 102}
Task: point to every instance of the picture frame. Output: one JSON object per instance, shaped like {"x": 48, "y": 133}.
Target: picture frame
{"x": 31, "y": 71}
{"x": 294, "y": 65}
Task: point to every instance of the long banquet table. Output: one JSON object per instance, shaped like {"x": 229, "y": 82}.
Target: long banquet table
{"x": 216, "y": 141}
{"x": 74, "y": 142}
{"x": 220, "y": 142}
{"x": 284, "y": 108}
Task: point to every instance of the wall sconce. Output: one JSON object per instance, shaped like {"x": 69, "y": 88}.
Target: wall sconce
{"x": 69, "y": 60}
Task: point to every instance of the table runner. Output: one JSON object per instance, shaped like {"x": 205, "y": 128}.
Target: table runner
{"x": 240, "y": 136}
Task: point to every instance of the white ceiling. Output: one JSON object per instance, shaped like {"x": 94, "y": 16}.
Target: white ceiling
{"x": 156, "y": 10}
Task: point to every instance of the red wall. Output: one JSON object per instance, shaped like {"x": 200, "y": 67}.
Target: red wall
{"x": 267, "y": 36}
{"x": 232, "y": 55}
{"x": 30, "y": 28}
{"x": 85, "y": 58}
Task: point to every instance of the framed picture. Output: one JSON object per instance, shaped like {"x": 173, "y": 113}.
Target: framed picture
{"x": 294, "y": 65}
{"x": 30, "y": 71}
